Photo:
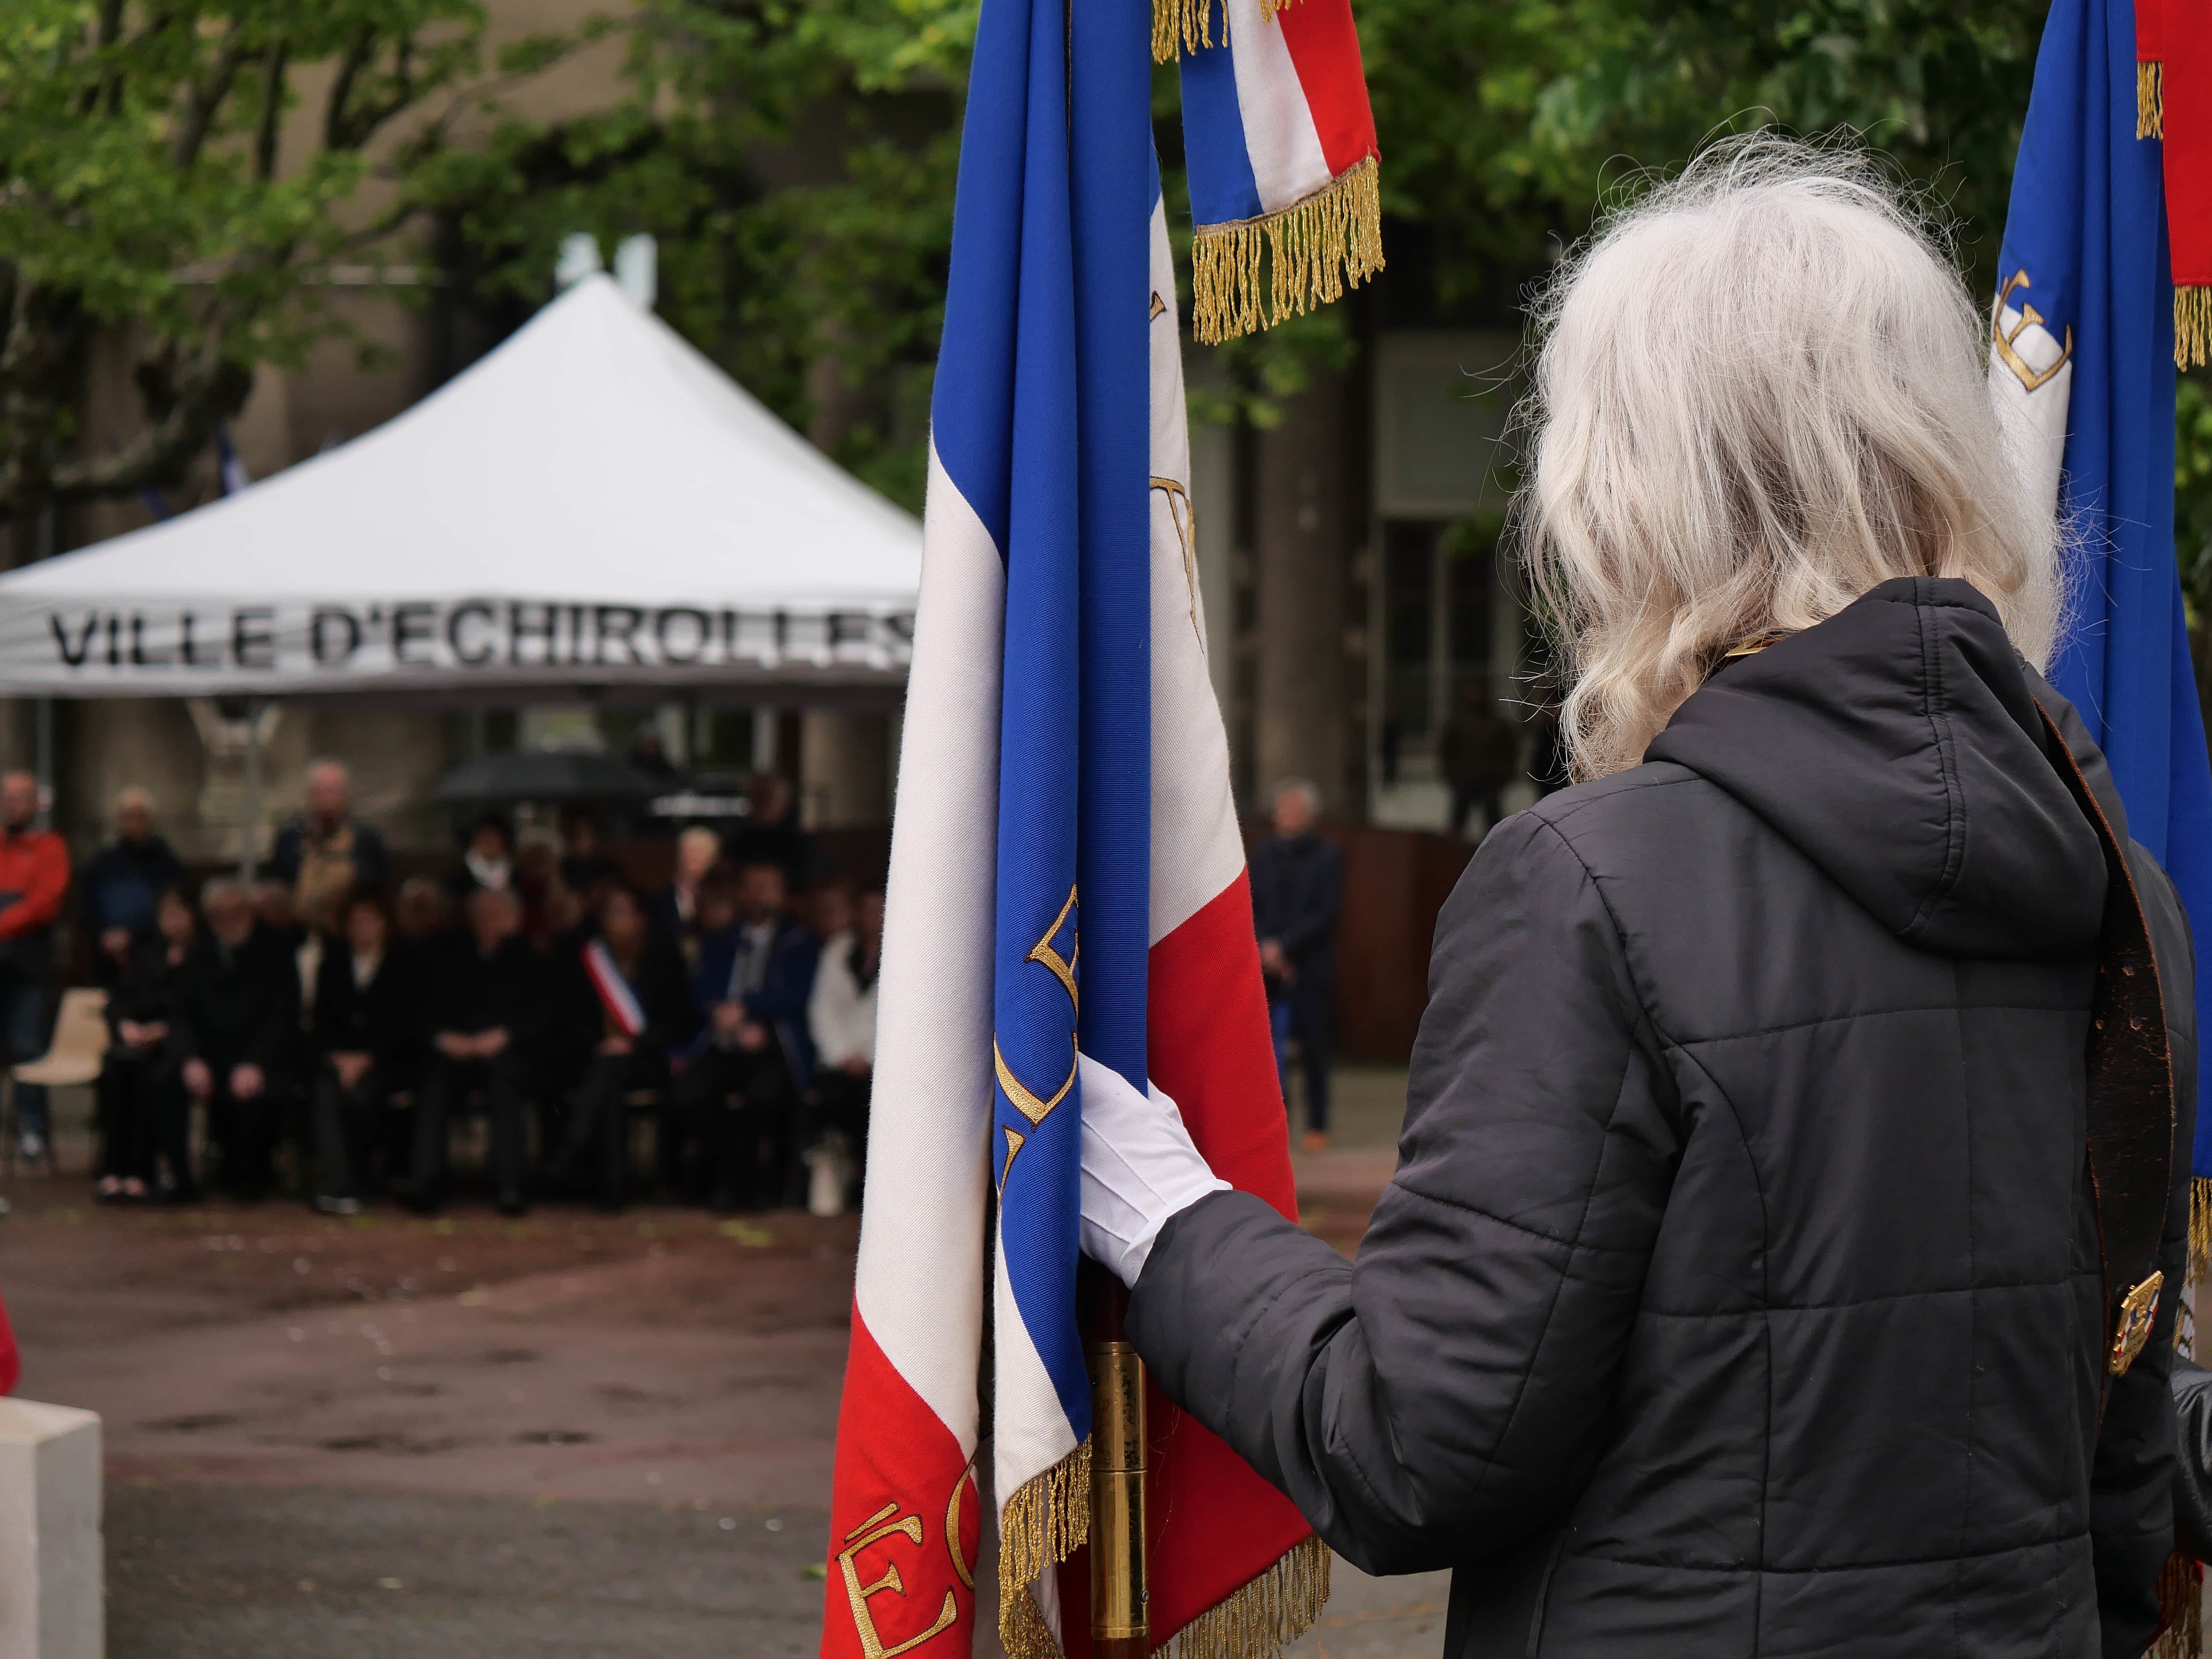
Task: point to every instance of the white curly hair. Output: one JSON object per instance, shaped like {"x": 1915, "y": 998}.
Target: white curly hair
{"x": 1760, "y": 391}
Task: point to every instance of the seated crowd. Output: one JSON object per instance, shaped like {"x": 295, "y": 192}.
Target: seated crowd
{"x": 330, "y": 1026}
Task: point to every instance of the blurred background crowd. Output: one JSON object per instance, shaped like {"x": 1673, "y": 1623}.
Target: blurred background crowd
{"x": 325, "y": 1026}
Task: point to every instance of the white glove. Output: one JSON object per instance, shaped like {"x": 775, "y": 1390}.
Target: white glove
{"x": 1139, "y": 1169}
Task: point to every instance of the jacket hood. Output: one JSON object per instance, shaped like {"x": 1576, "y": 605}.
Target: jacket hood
{"x": 1897, "y": 746}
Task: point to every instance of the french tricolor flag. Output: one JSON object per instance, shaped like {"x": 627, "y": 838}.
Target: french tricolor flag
{"x": 1067, "y": 880}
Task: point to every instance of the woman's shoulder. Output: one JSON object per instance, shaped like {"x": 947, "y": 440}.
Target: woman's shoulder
{"x": 1620, "y": 802}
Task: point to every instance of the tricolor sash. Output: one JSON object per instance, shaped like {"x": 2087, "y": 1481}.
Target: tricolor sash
{"x": 624, "y": 1012}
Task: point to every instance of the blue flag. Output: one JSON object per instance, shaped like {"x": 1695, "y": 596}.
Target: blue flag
{"x": 2081, "y": 370}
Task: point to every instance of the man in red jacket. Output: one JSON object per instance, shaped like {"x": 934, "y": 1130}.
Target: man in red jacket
{"x": 34, "y": 878}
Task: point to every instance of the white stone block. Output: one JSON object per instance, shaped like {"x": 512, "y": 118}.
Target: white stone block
{"x": 50, "y": 1557}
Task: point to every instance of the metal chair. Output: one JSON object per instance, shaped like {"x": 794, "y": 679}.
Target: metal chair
{"x": 79, "y": 1047}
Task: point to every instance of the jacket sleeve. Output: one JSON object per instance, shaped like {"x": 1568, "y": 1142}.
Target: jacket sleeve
{"x": 41, "y": 902}
{"x": 1443, "y": 1396}
{"x": 2132, "y": 1481}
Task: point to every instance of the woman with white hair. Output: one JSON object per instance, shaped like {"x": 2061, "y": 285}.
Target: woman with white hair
{"x": 1741, "y": 1288}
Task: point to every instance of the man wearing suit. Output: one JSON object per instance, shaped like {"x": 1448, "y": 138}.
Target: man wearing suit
{"x": 742, "y": 1093}
{"x": 1297, "y": 883}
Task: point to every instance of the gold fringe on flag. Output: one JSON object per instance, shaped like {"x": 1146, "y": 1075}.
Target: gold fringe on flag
{"x": 2192, "y": 339}
{"x": 2150, "y": 97}
{"x": 1181, "y": 27}
{"x": 2200, "y": 1229}
{"x": 1264, "y": 1617}
{"x": 2181, "y": 1620}
{"x": 1313, "y": 250}
{"x": 1044, "y": 1523}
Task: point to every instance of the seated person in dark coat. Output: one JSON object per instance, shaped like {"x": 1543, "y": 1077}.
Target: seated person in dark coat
{"x": 123, "y": 883}
{"x": 742, "y": 1092}
{"x": 484, "y": 991}
{"x": 623, "y": 1007}
{"x": 369, "y": 1043}
{"x": 237, "y": 1017}
{"x": 142, "y": 1113}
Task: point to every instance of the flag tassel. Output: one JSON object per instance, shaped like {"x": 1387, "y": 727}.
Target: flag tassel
{"x": 2200, "y": 1229}
{"x": 2192, "y": 327}
{"x": 2150, "y": 98}
{"x": 1044, "y": 1521}
{"x": 1264, "y": 1616}
{"x": 1312, "y": 250}
{"x": 1180, "y": 27}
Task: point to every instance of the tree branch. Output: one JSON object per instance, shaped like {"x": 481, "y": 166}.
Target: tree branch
{"x": 213, "y": 389}
{"x": 273, "y": 113}
{"x": 205, "y": 98}
{"x": 336, "y": 121}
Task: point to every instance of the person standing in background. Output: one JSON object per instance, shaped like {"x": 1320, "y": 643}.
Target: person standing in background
{"x": 676, "y": 908}
{"x": 325, "y": 853}
{"x": 124, "y": 882}
{"x": 34, "y": 878}
{"x": 1298, "y": 886}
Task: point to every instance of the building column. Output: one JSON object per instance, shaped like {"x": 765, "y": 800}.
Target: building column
{"x": 1307, "y": 523}
{"x": 844, "y": 770}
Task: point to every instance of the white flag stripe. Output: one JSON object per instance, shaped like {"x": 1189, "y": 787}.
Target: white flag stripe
{"x": 1285, "y": 152}
{"x": 931, "y": 1119}
{"x": 2032, "y": 420}
{"x": 1197, "y": 850}
{"x": 1030, "y": 1431}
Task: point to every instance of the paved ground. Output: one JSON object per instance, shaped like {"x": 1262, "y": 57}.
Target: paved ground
{"x": 320, "y": 1572}
{"x": 560, "y": 1435}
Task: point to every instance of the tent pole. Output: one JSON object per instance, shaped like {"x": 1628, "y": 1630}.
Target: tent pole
{"x": 250, "y": 832}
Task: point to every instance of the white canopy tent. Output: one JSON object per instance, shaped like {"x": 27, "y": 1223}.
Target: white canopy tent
{"x": 593, "y": 507}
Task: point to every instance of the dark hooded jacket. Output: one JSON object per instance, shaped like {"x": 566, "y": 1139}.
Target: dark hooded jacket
{"x": 1738, "y": 1290}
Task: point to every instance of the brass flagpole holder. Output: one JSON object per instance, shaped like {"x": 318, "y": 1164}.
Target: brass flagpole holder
{"x": 1119, "y": 1626}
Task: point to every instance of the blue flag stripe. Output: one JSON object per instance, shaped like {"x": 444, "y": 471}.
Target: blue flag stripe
{"x": 1112, "y": 66}
{"x": 1216, "y": 158}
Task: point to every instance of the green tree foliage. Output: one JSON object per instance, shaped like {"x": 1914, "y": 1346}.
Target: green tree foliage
{"x": 172, "y": 182}
{"x": 795, "y": 160}
{"x": 1504, "y": 126}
